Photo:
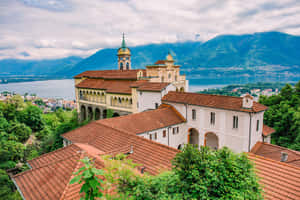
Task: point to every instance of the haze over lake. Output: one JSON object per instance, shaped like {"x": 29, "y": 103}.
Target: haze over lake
{"x": 64, "y": 88}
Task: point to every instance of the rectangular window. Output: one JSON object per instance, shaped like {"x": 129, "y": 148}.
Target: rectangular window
{"x": 150, "y": 136}
{"x": 164, "y": 133}
{"x": 257, "y": 125}
{"x": 177, "y": 129}
{"x": 174, "y": 131}
{"x": 156, "y": 105}
{"x": 212, "y": 118}
{"x": 193, "y": 114}
{"x": 235, "y": 122}
{"x": 155, "y": 136}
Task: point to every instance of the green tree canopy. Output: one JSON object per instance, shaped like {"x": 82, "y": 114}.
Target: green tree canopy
{"x": 20, "y": 130}
{"x": 32, "y": 117}
{"x": 196, "y": 174}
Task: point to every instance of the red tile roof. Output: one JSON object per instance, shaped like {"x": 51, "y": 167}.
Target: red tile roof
{"x": 51, "y": 177}
{"x": 267, "y": 130}
{"x": 152, "y": 86}
{"x": 111, "y": 86}
{"x": 214, "y": 101}
{"x": 279, "y": 180}
{"x": 274, "y": 152}
{"x": 112, "y": 74}
{"x": 160, "y": 62}
{"x": 121, "y": 86}
{"x": 145, "y": 121}
{"x": 154, "y": 156}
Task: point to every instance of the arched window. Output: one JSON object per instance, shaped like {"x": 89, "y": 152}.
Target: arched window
{"x": 162, "y": 79}
{"x": 169, "y": 75}
{"x": 121, "y": 66}
{"x": 127, "y": 65}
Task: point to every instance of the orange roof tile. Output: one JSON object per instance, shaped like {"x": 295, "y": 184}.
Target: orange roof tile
{"x": 279, "y": 180}
{"x": 112, "y": 74}
{"x": 215, "y": 101}
{"x": 145, "y": 121}
{"x": 267, "y": 130}
{"x": 152, "y": 86}
{"x": 160, "y": 62}
{"x": 154, "y": 156}
{"x": 51, "y": 177}
{"x": 274, "y": 152}
{"x": 111, "y": 86}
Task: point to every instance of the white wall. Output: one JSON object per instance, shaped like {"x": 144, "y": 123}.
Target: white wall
{"x": 147, "y": 99}
{"x": 173, "y": 140}
{"x": 236, "y": 139}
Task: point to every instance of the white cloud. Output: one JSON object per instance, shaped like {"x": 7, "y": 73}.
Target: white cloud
{"x": 59, "y": 28}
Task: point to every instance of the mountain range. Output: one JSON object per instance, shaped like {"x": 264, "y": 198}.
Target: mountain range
{"x": 253, "y": 56}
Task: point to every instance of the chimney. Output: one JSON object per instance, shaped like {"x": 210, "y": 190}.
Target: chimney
{"x": 284, "y": 156}
{"x": 131, "y": 150}
{"x": 247, "y": 101}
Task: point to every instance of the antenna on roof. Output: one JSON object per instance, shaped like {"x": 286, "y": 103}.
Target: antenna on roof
{"x": 131, "y": 150}
{"x": 284, "y": 156}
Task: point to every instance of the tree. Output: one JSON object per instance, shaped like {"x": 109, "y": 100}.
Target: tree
{"x": 17, "y": 101}
{"x": 196, "y": 174}
{"x": 208, "y": 174}
{"x": 7, "y": 190}
{"x": 287, "y": 92}
{"x": 88, "y": 175}
{"x": 284, "y": 116}
{"x": 11, "y": 151}
{"x": 21, "y": 131}
{"x": 32, "y": 117}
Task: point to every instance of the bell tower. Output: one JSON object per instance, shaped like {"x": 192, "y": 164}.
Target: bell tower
{"x": 124, "y": 56}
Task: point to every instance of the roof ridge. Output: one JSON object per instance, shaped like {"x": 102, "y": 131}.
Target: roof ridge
{"x": 123, "y": 116}
{"x": 140, "y": 138}
{"x": 175, "y": 110}
{"x": 274, "y": 161}
{"x": 281, "y": 147}
{"x": 218, "y": 95}
{"x": 49, "y": 164}
{"x": 71, "y": 177}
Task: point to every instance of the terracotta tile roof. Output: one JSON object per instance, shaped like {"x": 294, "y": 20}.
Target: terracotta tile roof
{"x": 54, "y": 156}
{"x": 160, "y": 62}
{"x": 214, "y": 101}
{"x": 267, "y": 130}
{"x": 279, "y": 180}
{"x": 274, "y": 152}
{"x": 111, "y": 86}
{"x": 112, "y": 74}
{"x": 152, "y": 86}
{"x": 145, "y": 121}
{"x": 152, "y": 155}
{"x": 50, "y": 180}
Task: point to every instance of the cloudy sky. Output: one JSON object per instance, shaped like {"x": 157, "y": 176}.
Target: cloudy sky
{"x": 38, "y": 29}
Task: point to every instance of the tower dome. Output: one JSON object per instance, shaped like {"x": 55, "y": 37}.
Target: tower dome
{"x": 169, "y": 57}
{"x": 124, "y": 50}
{"x": 124, "y": 56}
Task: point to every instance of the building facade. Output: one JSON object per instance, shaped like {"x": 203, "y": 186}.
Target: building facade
{"x": 124, "y": 91}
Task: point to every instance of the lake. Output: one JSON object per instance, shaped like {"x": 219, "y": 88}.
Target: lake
{"x": 64, "y": 88}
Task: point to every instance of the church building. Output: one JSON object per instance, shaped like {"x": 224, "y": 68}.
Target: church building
{"x": 125, "y": 90}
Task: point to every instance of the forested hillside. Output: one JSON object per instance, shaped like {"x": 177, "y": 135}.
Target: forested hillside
{"x": 284, "y": 115}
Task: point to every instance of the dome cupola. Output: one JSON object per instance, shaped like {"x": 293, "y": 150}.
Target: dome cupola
{"x": 124, "y": 56}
